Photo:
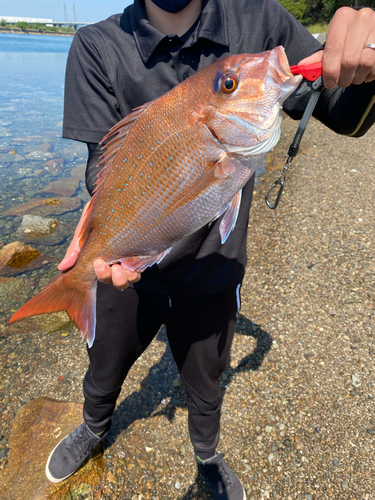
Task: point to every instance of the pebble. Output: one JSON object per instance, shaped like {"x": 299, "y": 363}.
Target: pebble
{"x": 356, "y": 381}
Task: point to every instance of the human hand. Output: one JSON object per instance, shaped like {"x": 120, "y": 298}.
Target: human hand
{"x": 345, "y": 58}
{"x": 115, "y": 274}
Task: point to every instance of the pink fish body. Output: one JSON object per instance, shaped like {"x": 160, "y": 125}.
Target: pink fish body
{"x": 173, "y": 166}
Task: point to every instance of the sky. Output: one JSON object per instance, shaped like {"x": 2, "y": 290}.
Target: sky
{"x": 86, "y": 10}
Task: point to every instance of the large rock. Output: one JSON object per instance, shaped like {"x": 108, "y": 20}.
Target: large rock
{"x": 17, "y": 255}
{"x": 43, "y": 231}
{"x": 62, "y": 187}
{"x": 45, "y": 207}
{"x": 36, "y": 226}
{"x": 17, "y": 258}
{"x": 36, "y": 430}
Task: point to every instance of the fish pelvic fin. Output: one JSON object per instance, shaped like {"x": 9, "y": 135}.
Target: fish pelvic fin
{"x": 57, "y": 296}
{"x": 230, "y": 217}
{"x": 142, "y": 262}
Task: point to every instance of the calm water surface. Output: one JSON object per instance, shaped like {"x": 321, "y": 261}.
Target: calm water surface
{"x": 32, "y": 69}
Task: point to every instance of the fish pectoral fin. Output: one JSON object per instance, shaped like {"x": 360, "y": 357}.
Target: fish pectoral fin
{"x": 142, "y": 262}
{"x": 230, "y": 217}
{"x": 224, "y": 168}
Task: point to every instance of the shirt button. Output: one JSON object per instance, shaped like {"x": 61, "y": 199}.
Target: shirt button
{"x": 184, "y": 76}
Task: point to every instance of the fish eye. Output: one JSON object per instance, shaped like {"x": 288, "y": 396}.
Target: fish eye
{"x": 229, "y": 83}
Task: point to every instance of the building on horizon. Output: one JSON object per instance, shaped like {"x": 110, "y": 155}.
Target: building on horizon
{"x": 31, "y": 20}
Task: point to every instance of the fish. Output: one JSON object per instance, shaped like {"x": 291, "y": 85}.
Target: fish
{"x": 171, "y": 167}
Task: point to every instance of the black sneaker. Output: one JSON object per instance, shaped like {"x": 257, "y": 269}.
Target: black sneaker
{"x": 71, "y": 452}
{"x": 222, "y": 481}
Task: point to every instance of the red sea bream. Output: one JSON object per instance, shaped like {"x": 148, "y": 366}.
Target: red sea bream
{"x": 172, "y": 166}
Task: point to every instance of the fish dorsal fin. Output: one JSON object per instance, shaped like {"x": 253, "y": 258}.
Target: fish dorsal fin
{"x": 230, "y": 218}
{"x": 113, "y": 140}
{"x": 119, "y": 131}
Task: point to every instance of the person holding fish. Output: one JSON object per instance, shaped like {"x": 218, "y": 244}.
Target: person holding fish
{"x": 167, "y": 224}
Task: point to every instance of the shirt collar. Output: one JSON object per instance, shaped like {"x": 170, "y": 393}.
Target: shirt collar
{"x": 212, "y": 26}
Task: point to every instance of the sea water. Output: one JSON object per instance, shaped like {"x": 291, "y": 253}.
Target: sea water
{"x": 32, "y": 71}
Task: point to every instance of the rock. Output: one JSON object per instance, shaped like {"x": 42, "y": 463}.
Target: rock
{"x": 17, "y": 258}
{"x": 17, "y": 255}
{"x": 62, "y": 187}
{"x": 43, "y": 207}
{"x": 35, "y": 226}
{"x": 13, "y": 158}
{"x": 56, "y": 322}
{"x": 55, "y": 166}
{"x": 356, "y": 381}
{"x": 36, "y": 430}
{"x": 43, "y": 231}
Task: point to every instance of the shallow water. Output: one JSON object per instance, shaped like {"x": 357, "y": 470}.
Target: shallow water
{"x": 31, "y": 108}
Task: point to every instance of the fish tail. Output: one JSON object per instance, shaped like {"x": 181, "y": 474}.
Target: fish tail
{"x": 79, "y": 303}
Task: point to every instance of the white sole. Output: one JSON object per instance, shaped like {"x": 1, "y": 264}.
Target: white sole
{"x": 51, "y": 478}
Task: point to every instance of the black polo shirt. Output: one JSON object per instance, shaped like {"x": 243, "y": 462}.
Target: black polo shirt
{"x": 119, "y": 64}
{"x": 123, "y": 62}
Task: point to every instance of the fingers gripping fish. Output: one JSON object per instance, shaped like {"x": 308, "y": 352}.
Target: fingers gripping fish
{"x": 171, "y": 167}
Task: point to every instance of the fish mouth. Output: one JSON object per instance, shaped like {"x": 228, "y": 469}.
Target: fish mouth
{"x": 279, "y": 71}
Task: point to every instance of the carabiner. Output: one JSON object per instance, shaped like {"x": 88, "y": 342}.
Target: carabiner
{"x": 279, "y": 182}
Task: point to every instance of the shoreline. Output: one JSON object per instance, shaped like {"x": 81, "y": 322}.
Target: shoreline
{"x": 13, "y": 32}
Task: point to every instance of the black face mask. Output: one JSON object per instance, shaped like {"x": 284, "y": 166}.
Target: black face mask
{"x": 171, "y": 5}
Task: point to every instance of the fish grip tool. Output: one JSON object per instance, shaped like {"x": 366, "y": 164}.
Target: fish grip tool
{"x": 313, "y": 73}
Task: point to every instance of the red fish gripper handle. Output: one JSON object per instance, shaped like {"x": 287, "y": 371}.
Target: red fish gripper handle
{"x": 310, "y": 72}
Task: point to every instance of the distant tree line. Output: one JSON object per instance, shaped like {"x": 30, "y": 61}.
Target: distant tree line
{"x": 310, "y": 12}
{"x": 34, "y": 27}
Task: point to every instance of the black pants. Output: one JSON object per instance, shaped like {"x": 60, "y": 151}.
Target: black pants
{"x": 200, "y": 332}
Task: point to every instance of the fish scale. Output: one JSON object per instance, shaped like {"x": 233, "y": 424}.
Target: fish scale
{"x": 172, "y": 167}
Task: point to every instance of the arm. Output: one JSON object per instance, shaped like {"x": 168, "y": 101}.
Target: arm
{"x": 348, "y": 108}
